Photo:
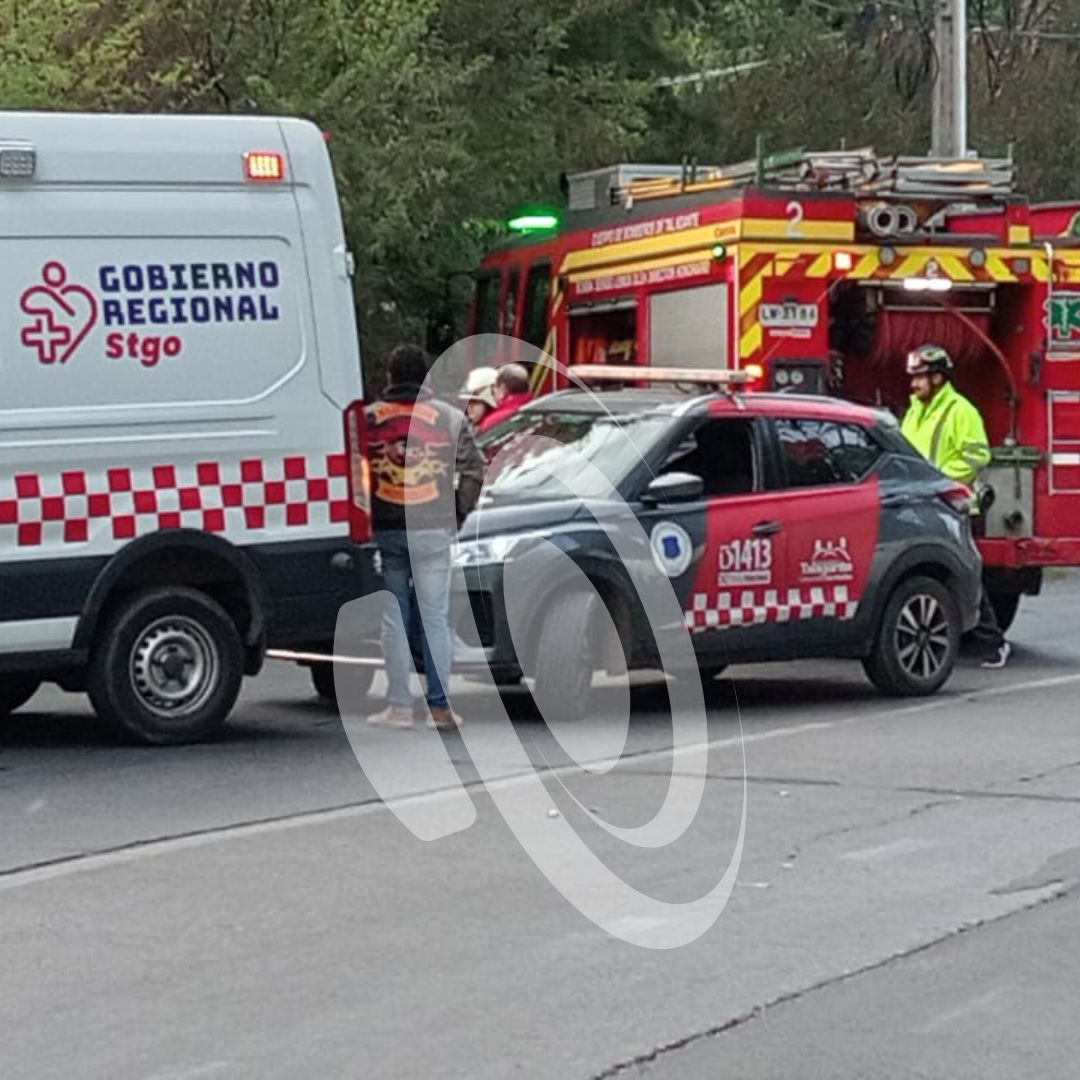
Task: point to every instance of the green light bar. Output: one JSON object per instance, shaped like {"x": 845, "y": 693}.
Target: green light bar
{"x": 534, "y": 223}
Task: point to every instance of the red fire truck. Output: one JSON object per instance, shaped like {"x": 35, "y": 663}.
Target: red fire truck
{"x": 816, "y": 273}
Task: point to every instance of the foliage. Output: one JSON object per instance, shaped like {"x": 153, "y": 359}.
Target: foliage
{"x": 445, "y": 115}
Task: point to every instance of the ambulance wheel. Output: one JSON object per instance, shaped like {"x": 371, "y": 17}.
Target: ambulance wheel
{"x": 166, "y": 668}
{"x": 16, "y": 691}
{"x": 564, "y": 666}
{"x": 917, "y": 641}
{"x": 322, "y": 678}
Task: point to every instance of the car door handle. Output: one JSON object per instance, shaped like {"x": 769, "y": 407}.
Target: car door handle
{"x": 767, "y": 528}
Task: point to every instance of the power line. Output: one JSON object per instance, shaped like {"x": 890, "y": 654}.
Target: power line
{"x": 698, "y": 77}
{"x": 1038, "y": 35}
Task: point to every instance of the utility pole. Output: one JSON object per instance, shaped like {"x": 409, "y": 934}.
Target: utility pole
{"x": 950, "y": 83}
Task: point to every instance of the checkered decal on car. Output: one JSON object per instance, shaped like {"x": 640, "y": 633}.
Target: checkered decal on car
{"x": 110, "y": 506}
{"x": 754, "y": 607}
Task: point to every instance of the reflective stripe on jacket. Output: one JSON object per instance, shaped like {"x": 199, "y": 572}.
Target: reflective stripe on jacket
{"x": 949, "y": 432}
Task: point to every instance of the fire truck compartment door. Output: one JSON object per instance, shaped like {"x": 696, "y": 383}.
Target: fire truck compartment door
{"x": 689, "y": 327}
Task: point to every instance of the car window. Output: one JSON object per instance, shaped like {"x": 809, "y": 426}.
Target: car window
{"x": 721, "y": 452}
{"x": 509, "y": 313}
{"x": 487, "y": 304}
{"x": 537, "y": 291}
{"x": 816, "y": 453}
{"x": 530, "y": 467}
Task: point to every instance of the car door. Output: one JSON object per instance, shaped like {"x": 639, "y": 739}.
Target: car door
{"x": 828, "y": 502}
{"x": 725, "y": 553}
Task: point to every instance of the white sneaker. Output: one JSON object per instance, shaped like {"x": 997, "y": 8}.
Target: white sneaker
{"x": 392, "y": 717}
{"x": 444, "y": 719}
{"x": 1000, "y": 659}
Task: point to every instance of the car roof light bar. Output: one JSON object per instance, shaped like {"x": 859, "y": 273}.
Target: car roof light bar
{"x": 645, "y": 373}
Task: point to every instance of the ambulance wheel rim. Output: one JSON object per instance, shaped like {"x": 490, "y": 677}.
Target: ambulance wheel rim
{"x": 922, "y": 636}
{"x": 174, "y": 667}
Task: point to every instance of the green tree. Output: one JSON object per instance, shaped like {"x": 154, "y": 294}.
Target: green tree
{"x": 446, "y": 115}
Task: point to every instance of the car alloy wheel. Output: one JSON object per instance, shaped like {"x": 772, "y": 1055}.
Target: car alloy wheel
{"x": 922, "y": 636}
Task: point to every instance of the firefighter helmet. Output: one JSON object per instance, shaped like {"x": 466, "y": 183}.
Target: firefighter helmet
{"x": 480, "y": 386}
{"x": 928, "y": 360}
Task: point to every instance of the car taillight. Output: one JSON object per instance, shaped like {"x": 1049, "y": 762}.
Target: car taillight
{"x": 359, "y": 473}
{"x": 959, "y": 497}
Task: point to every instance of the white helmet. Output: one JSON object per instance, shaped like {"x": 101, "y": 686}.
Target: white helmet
{"x": 929, "y": 360}
{"x": 480, "y": 384}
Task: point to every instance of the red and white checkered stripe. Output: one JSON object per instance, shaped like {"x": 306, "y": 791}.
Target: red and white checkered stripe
{"x": 109, "y": 506}
{"x": 753, "y": 607}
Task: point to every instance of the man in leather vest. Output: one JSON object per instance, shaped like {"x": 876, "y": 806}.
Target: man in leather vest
{"x": 424, "y": 457}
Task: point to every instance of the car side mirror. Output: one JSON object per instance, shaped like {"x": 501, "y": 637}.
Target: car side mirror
{"x": 675, "y": 487}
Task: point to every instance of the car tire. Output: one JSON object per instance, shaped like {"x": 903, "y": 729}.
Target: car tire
{"x": 917, "y": 640}
{"x": 166, "y": 668}
{"x": 322, "y": 678}
{"x": 16, "y": 691}
{"x": 564, "y": 667}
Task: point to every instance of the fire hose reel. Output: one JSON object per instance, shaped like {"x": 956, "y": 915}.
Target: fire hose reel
{"x": 888, "y": 220}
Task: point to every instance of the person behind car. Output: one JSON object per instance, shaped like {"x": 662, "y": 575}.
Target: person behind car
{"x": 415, "y": 463}
{"x": 947, "y": 429}
{"x": 479, "y": 397}
{"x": 512, "y": 389}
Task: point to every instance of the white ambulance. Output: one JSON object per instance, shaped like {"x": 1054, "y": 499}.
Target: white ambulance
{"x": 182, "y": 474}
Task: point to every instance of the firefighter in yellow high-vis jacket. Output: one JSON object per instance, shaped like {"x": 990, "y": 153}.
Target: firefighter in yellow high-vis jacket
{"x": 947, "y": 430}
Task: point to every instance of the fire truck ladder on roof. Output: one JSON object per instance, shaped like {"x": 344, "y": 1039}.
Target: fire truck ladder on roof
{"x": 859, "y": 172}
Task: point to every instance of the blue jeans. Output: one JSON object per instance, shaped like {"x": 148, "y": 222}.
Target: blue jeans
{"x": 420, "y": 582}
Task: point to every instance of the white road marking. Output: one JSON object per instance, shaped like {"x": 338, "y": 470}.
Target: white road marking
{"x": 140, "y": 850}
{"x": 196, "y": 1072}
{"x": 974, "y": 1006}
{"x": 908, "y": 845}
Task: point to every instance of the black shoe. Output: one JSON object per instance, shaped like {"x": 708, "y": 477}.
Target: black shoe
{"x": 1000, "y": 657}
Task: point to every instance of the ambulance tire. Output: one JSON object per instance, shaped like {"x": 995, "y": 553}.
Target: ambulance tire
{"x": 917, "y": 640}
{"x": 16, "y": 691}
{"x": 166, "y": 668}
{"x": 322, "y": 678}
{"x": 564, "y": 668}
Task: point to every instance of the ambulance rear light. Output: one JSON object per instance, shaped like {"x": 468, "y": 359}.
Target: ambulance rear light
{"x": 959, "y": 497}
{"x": 264, "y": 165}
{"x": 359, "y": 473}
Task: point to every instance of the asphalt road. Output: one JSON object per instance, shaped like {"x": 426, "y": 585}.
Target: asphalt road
{"x": 906, "y": 904}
